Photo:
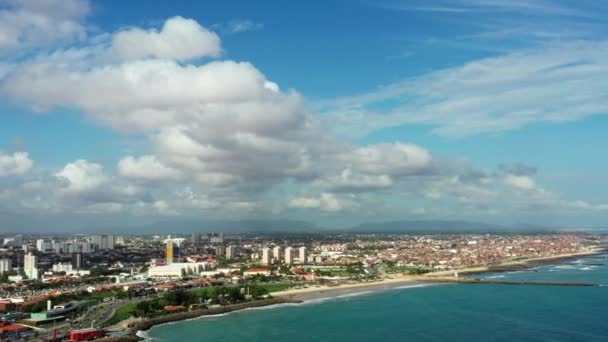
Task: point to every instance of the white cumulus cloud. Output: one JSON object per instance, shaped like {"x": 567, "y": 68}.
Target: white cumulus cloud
{"x": 28, "y": 24}
{"x": 145, "y": 168}
{"x": 81, "y": 176}
{"x": 179, "y": 39}
{"x": 325, "y": 202}
{"x": 16, "y": 164}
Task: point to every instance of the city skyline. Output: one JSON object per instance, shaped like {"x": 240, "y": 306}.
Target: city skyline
{"x": 335, "y": 113}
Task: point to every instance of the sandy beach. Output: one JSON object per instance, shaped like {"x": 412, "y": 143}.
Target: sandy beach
{"x": 398, "y": 280}
{"x": 324, "y": 291}
{"x": 517, "y": 264}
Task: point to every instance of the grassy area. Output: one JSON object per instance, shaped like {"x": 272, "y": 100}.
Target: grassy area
{"x": 102, "y": 295}
{"x": 274, "y": 287}
{"x": 122, "y": 313}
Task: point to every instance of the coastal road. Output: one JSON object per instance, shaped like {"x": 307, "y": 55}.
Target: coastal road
{"x": 95, "y": 316}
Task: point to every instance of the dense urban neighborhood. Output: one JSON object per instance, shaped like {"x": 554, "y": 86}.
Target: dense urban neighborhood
{"x": 83, "y": 287}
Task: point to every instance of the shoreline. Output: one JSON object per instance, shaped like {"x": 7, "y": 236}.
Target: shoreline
{"x": 320, "y": 292}
{"x": 133, "y": 332}
{"x": 182, "y": 316}
{"x": 519, "y": 265}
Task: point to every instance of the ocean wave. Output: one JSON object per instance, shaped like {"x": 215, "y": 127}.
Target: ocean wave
{"x": 496, "y": 276}
{"x": 324, "y": 299}
{"x": 145, "y": 336}
{"x": 588, "y": 268}
{"x": 565, "y": 267}
{"x": 413, "y": 286}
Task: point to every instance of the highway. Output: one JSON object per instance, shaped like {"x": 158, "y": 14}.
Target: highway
{"x": 95, "y": 316}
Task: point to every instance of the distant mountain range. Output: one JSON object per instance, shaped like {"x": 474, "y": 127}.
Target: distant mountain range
{"x": 34, "y": 224}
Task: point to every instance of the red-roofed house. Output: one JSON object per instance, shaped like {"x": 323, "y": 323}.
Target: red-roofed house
{"x": 256, "y": 271}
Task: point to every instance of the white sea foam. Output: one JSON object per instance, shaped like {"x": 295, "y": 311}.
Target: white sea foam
{"x": 144, "y": 335}
{"x": 346, "y": 295}
{"x": 413, "y": 286}
{"x": 565, "y": 267}
{"x": 496, "y": 276}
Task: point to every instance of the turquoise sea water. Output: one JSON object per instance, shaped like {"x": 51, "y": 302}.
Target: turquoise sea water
{"x": 456, "y": 312}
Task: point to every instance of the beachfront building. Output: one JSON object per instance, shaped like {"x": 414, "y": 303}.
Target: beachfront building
{"x": 266, "y": 256}
{"x": 177, "y": 270}
{"x": 289, "y": 256}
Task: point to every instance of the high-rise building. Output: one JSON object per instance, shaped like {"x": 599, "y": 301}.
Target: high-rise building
{"x": 303, "y": 255}
{"x": 266, "y": 256}
{"x": 44, "y": 246}
{"x": 59, "y": 247}
{"x": 216, "y": 238}
{"x": 196, "y": 238}
{"x": 276, "y": 254}
{"x": 77, "y": 261}
{"x": 18, "y": 241}
{"x": 170, "y": 254}
{"x": 230, "y": 252}
{"x": 6, "y": 265}
{"x": 289, "y": 256}
{"x": 103, "y": 241}
{"x": 220, "y": 251}
{"x": 30, "y": 265}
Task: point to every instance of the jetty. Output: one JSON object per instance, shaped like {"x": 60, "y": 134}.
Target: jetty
{"x": 509, "y": 282}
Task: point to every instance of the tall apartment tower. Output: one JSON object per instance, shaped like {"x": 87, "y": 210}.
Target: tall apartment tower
{"x": 18, "y": 241}
{"x": 276, "y": 254}
{"x": 220, "y": 251}
{"x": 77, "y": 261}
{"x": 6, "y": 265}
{"x": 266, "y": 256}
{"x": 230, "y": 252}
{"x": 30, "y": 266}
{"x": 303, "y": 255}
{"x": 170, "y": 251}
{"x": 103, "y": 241}
{"x": 289, "y": 256}
{"x": 196, "y": 238}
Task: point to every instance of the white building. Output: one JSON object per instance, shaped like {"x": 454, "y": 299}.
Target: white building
{"x": 276, "y": 254}
{"x": 266, "y": 256}
{"x": 289, "y": 256}
{"x": 18, "y": 240}
{"x": 303, "y": 255}
{"x": 62, "y": 268}
{"x": 176, "y": 270}
{"x": 103, "y": 241}
{"x": 6, "y": 265}
{"x": 30, "y": 266}
{"x": 44, "y": 246}
{"x": 230, "y": 252}
{"x": 68, "y": 269}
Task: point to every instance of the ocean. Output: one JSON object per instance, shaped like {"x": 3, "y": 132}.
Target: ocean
{"x": 447, "y": 312}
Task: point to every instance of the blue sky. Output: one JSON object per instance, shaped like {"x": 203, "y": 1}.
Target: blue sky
{"x": 336, "y": 112}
